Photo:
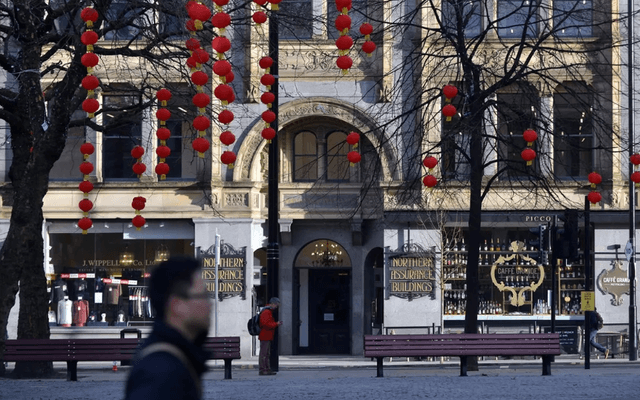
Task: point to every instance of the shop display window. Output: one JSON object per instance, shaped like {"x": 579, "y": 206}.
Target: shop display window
{"x": 102, "y": 279}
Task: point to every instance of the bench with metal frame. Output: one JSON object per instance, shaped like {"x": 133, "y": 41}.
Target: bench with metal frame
{"x": 544, "y": 345}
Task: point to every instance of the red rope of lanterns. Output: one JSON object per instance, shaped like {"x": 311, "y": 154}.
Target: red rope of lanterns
{"x": 163, "y": 151}
{"x": 90, "y": 105}
{"x": 449, "y": 110}
{"x": 594, "y": 196}
{"x": 429, "y": 180}
{"x": 138, "y": 204}
{"x": 635, "y": 176}
{"x": 344, "y": 42}
{"x": 528, "y": 154}
{"x": 368, "y": 46}
{"x": 353, "y": 156}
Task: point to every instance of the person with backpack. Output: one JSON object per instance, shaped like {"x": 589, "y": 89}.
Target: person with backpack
{"x": 171, "y": 361}
{"x": 267, "y": 331}
{"x": 596, "y": 323}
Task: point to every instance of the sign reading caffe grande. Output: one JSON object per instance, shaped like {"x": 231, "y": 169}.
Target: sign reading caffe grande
{"x": 231, "y": 271}
{"x": 411, "y": 273}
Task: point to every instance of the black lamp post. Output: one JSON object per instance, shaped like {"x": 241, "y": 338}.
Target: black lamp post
{"x": 273, "y": 246}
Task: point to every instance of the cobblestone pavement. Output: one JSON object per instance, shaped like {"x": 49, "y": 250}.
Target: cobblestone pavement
{"x": 430, "y": 380}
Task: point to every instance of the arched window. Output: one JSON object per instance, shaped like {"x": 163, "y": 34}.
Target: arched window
{"x": 305, "y": 157}
{"x": 337, "y": 163}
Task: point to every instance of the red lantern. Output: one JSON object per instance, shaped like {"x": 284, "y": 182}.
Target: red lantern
{"x": 201, "y": 100}
{"x": 137, "y": 152}
{"x": 89, "y": 60}
{"x": 269, "y": 116}
{"x": 595, "y": 179}
{"x": 221, "y": 3}
{"x": 87, "y": 149}
{"x": 89, "y": 38}
{"x": 343, "y": 23}
{"x": 200, "y": 145}
{"x": 344, "y": 63}
{"x": 268, "y": 134}
{"x": 138, "y": 221}
{"x": 90, "y": 82}
{"x": 199, "y": 13}
{"x": 225, "y": 117}
{"x": 228, "y": 158}
{"x": 89, "y": 16}
{"x": 449, "y": 92}
{"x": 227, "y": 138}
{"x": 530, "y": 136}
{"x": 191, "y": 25}
{"x": 138, "y": 203}
{"x": 354, "y": 157}
{"x": 221, "y": 67}
{"x": 223, "y": 92}
{"x": 221, "y": 20}
{"x": 192, "y": 44}
{"x": 353, "y": 138}
{"x": 86, "y": 168}
{"x": 201, "y": 56}
{"x": 85, "y": 186}
{"x": 201, "y": 123}
{"x": 85, "y": 205}
{"x": 199, "y": 78}
{"x": 429, "y": 181}
{"x": 594, "y": 197}
{"x": 90, "y": 106}
{"x": 528, "y": 155}
{"x": 163, "y": 152}
{"x": 635, "y": 177}
{"x": 366, "y": 29}
{"x": 163, "y": 114}
{"x": 265, "y": 62}
{"x": 85, "y": 224}
{"x": 162, "y": 169}
{"x": 267, "y": 80}
{"x": 260, "y": 2}
{"x": 228, "y": 78}
{"x": 191, "y": 63}
{"x": 344, "y": 43}
{"x": 449, "y": 111}
{"x": 221, "y": 44}
{"x": 274, "y": 4}
{"x": 368, "y": 47}
{"x": 163, "y": 133}
{"x": 268, "y": 98}
{"x": 430, "y": 162}
{"x": 259, "y": 17}
{"x": 139, "y": 168}
{"x": 343, "y": 5}
{"x": 635, "y": 159}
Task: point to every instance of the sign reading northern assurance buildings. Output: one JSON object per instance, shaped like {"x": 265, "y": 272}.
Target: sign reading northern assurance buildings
{"x": 231, "y": 271}
{"x": 411, "y": 273}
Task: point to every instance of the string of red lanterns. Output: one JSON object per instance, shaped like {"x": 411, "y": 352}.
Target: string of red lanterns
{"x": 353, "y": 156}
{"x": 90, "y": 105}
{"x": 449, "y": 110}
{"x": 138, "y": 204}
{"x": 163, "y": 133}
{"x": 267, "y": 98}
{"x": 594, "y": 196}
{"x": 529, "y": 154}
{"x": 344, "y": 42}
{"x": 368, "y": 46}
{"x": 635, "y": 176}
{"x": 429, "y": 180}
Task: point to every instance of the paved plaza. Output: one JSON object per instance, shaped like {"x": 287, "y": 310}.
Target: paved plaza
{"x": 355, "y": 378}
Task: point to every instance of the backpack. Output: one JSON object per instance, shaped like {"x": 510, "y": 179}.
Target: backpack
{"x": 599, "y": 321}
{"x": 253, "y": 325}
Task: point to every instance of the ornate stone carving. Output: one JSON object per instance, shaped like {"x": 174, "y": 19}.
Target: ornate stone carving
{"x": 237, "y": 199}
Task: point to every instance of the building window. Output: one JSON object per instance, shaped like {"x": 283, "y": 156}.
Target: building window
{"x": 172, "y": 18}
{"x": 358, "y": 14}
{"x": 516, "y": 113}
{"x": 183, "y": 162}
{"x": 123, "y": 22}
{"x": 516, "y": 15}
{"x": 337, "y": 162}
{"x": 573, "y": 18}
{"x": 123, "y": 131}
{"x": 66, "y": 168}
{"x": 468, "y": 12}
{"x": 573, "y": 131}
{"x": 455, "y": 144}
{"x": 305, "y": 158}
{"x": 295, "y": 19}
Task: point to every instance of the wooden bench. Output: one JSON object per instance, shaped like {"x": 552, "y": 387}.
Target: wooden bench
{"x": 74, "y": 350}
{"x": 544, "y": 345}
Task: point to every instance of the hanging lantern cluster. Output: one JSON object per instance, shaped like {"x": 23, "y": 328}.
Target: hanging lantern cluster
{"x": 529, "y": 154}
{"x": 344, "y": 42}
{"x": 429, "y": 180}
{"x": 267, "y": 98}
{"x": 594, "y": 196}
{"x": 259, "y": 17}
{"x": 368, "y": 46}
{"x": 163, "y": 133}
{"x": 635, "y": 176}
{"x": 353, "y": 156}
{"x": 138, "y": 204}
{"x": 449, "y": 110}
{"x": 90, "y": 105}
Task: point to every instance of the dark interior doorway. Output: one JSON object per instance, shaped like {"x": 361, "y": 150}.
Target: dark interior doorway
{"x": 329, "y": 311}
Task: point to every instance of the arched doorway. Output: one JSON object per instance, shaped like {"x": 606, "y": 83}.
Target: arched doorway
{"x": 323, "y": 298}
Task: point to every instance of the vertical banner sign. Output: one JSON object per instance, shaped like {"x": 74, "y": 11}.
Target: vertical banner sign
{"x": 231, "y": 272}
{"x": 411, "y": 272}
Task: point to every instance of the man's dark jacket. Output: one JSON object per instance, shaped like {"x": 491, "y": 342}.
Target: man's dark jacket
{"x": 161, "y": 375}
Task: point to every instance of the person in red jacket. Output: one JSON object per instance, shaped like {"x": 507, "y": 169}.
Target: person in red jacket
{"x": 267, "y": 329}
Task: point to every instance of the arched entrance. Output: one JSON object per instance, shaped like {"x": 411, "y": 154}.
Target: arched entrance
{"x": 323, "y": 299}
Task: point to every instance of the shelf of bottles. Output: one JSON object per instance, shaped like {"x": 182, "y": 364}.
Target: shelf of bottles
{"x": 518, "y": 270}
{"x": 570, "y": 285}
